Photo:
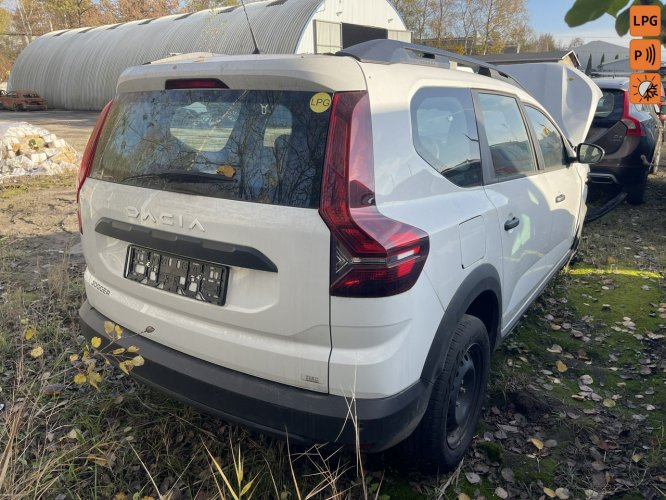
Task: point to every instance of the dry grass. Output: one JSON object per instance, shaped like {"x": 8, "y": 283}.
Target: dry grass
{"x": 63, "y": 440}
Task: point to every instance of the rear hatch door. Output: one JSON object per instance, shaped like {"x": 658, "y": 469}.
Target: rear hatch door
{"x": 200, "y": 216}
{"x": 568, "y": 94}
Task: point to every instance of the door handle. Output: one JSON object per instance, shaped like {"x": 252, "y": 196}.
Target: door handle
{"x": 560, "y": 198}
{"x": 511, "y": 223}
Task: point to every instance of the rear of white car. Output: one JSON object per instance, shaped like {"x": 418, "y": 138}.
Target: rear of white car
{"x": 295, "y": 240}
{"x": 226, "y": 205}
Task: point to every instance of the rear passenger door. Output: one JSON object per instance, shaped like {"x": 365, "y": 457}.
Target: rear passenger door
{"x": 519, "y": 193}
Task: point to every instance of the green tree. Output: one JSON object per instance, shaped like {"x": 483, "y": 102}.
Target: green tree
{"x": 584, "y": 11}
{"x": 603, "y": 60}
{"x": 588, "y": 68}
{"x": 197, "y": 5}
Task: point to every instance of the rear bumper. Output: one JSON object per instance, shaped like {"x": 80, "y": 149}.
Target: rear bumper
{"x": 623, "y": 169}
{"x": 269, "y": 407}
{"x": 622, "y": 174}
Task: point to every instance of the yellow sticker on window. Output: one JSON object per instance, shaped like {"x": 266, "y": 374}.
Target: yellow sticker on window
{"x": 320, "y": 102}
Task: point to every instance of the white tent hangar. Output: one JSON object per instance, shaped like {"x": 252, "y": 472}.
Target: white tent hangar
{"x": 78, "y": 68}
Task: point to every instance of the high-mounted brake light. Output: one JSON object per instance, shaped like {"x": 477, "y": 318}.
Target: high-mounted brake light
{"x": 194, "y": 83}
{"x": 372, "y": 255}
{"x": 89, "y": 155}
{"x": 633, "y": 125}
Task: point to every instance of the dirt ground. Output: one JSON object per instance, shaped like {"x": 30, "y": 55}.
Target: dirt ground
{"x": 73, "y": 126}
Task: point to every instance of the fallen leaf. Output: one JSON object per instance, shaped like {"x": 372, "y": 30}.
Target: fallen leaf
{"x": 37, "y": 352}
{"x": 73, "y": 357}
{"x": 126, "y": 366}
{"x": 609, "y": 403}
{"x": 549, "y": 493}
{"x": 132, "y": 348}
{"x": 473, "y": 477}
{"x": 507, "y": 474}
{"x": 29, "y": 333}
{"x": 508, "y": 428}
{"x": 80, "y": 378}
{"x": 586, "y": 379}
{"x": 463, "y": 496}
{"x": 561, "y": 367}
{"x": 119, "y": 331}
{"x": 555, "y": 348}
{"x": 73, "y": 434}
{"x": 96, "y": 342}
{"x": 562, "y": 493}
{"x": 118, "y": 352}
{"x": 96, "y": 459}
{"x": 538, "y": 444}
{"x": 108, "y": 327}
{"x": 138, "y": 361}
{"x": 94, "y": 379}
{"x": 501, "y": 492}
{"x": 53, "y": 389}
{"x": 636, "y": 457}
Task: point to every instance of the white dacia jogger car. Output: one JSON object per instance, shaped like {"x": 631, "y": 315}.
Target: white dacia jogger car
{"x": 292, "y": 239}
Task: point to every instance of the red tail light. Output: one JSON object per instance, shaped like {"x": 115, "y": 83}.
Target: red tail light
{"x": 190, "y": 83}
{"x": 89, "y": 155}
{"x": 633, "y": 125}
{"x": 372, "y": 255}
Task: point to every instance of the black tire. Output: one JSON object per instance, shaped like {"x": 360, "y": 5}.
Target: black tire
{"x": 447, "y": 428}
{"x": 636, "y": 192}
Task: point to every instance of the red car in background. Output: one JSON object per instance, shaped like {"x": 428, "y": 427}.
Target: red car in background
{"x": 23, "y": 100}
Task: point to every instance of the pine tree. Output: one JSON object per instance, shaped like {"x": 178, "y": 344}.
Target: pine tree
{"x": 588, "y": 68}
{"x": 603, "y": 59}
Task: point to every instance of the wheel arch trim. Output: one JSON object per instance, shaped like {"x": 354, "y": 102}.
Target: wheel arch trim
{"x": 484, "y": 278}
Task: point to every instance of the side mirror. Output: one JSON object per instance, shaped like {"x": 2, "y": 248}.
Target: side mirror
{"x": 589, "y": 153}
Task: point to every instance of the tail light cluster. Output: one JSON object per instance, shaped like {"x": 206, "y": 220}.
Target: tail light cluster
{"x": 372, "y": 255}
{"x": 633, "y": 125}
{"x": 89, "y": 155}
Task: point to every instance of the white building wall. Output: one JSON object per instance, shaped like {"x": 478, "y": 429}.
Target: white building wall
{"x": 376, "y": 13}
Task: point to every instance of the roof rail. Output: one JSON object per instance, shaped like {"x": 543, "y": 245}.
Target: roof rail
{"x": 396, "y": 52}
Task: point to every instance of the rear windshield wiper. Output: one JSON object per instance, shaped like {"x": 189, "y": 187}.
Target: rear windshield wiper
{"x": 181, "y": 176}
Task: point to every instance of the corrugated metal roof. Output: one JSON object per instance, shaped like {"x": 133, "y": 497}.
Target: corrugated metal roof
{"x": 78, "y": 69}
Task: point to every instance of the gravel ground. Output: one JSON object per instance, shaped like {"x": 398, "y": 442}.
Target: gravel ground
{"x": 73, "y": 126}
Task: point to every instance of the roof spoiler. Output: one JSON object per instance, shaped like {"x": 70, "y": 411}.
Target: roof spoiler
{"x": 396, "y": 52}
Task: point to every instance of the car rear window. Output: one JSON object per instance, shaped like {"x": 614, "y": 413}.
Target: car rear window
{"x": 250, "y": 145}
{"x": 610, "y": 106}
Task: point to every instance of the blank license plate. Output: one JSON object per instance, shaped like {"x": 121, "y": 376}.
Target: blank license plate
{"x": 198, "y": 280}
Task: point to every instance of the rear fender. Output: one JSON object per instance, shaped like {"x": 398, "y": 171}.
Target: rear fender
{"x": 482, "y": 279}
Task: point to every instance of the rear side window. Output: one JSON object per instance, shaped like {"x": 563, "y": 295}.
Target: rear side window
{"x": 509, "y": 143}
{"x": 249, "y": 145}
{"x": 445, "y": 134}
{"x": 554, "y": 152}
{"x": 610, "y": 106}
